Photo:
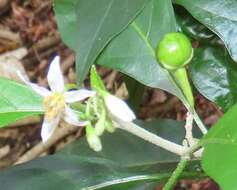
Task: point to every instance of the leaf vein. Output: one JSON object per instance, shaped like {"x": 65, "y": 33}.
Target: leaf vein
{"x": 142, "y": 35}
{"x": 99, "y": 27}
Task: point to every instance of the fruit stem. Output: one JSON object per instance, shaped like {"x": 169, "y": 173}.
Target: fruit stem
{"x": 181, "y": 77}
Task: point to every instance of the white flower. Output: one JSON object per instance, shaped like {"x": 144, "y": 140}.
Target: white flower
{"x": 56, "y": 101}
{"x": 118, "y": 108}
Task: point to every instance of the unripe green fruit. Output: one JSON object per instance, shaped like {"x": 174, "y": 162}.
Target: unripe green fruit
{"x": 174, "y": 51}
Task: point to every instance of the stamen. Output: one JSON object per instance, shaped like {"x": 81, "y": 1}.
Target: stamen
{"x": 54, "y": 105}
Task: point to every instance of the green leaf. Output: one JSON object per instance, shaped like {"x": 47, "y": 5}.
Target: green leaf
{"x": 214, "y": 74}
{"x": 17, "y": 101}
{"x": 96, "y": 81}
{"x": 194, "y": 28}
{"x": 133, "y": 51}
{"x": 122, "y": 164}
{"x": 220, "y": 151}
{"x": 88, "y": 26}
{"x": 219, "y": 16}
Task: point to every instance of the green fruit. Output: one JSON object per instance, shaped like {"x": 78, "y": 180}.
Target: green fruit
{"x": 174, "y": 51}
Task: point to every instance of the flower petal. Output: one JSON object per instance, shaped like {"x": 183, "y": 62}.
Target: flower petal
{"x": 55, "y": 76}
{"x": 119, "y": 108}
{"x": 38, "y": 89}
{"x": 78, "y": 95}
{"x": 48, "y": 128}
{"x": 71, "y": 117}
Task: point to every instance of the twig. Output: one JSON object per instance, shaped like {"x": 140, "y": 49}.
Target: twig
{"x": 42, "y": 147}
{"x": 45, "y": 43}
{"x": 192, "y": 143}
{"x": 14, "y": 154}
{"x": 32, "y": 60}
{"x": 42, "y": 49}
{"x": 16, "y": 54}
{"x": 122, "y": 91}
{"x": 150, "y": 137}
{"x": 188, "y": 128}
{"x": 7, "y": 34}
{"x": 4, "y": 151}
{"x": 195, "y": 150}
{"x": 47, "y": 4}
{"x": 111, "y": 78}
{"x": 26, "y": 121}
{"x": 67, "y": 63}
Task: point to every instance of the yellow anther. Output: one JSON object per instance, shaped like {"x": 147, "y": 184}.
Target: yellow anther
{"x": 54, "y": 105}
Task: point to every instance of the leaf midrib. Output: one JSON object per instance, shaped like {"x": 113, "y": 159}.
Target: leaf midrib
{"x": 16, "y": 107}
{"x": 99, "y": 28}
{"x": 144, "y": 38}
{"x": 128, "y": 179}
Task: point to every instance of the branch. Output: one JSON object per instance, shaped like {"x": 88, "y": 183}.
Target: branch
{"x": 150, "y": 137}
{"x": 188, "y": 128}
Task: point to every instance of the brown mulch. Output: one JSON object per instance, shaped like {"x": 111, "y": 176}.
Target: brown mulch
{"x": 31, "y": 24}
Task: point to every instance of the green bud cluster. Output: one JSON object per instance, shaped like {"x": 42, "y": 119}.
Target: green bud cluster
{"x": 97, "y": 113}
{"x": 100, "y": 122}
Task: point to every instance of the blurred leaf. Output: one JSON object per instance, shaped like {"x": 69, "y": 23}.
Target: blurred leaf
{"x": 17, "y": 101}
{"x": 220, "y": 151}
{"x": 133, "y": 51}
{"x": 87, "y": 26}
{"x": 215, "y": 74}
{"x": 219, "y": 16}
{"x": 122, "y": 164}
{"x": 194, "y": 29}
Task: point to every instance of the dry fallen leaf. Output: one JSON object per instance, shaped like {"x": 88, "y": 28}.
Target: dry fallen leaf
{"x": 10, "y": 63}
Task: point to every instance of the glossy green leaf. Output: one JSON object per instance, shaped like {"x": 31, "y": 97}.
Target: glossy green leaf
{"x": 87, "y": 26}
{"x": 122, "y": 164}
{"x": 17, "y": 101}
{"x": 214, "y": 74}
{"x": 195, "y": 29}
{"x": 219, "y": 16}
{"x": 220, "y": 151}
{"x": 133, "y": 51}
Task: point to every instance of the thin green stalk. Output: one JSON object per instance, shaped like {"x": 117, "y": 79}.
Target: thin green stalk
{"x": 188, "y": 106}
{"x": 199, "y": 122}
{"x": 176, "y": 174}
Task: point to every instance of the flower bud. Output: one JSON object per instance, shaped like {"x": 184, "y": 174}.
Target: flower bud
{"x": 118, "y": 108}
{"x": 109, "y": 126}
{"x": 100, "y": 124}
{"x": 92, "y": 139}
